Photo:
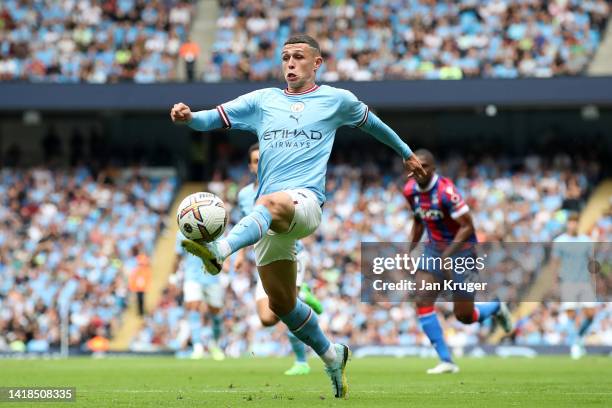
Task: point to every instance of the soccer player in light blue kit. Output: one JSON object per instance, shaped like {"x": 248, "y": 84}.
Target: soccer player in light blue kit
{"x": 296, "y": 129}
{"x": 571, "y": 257}
{"x": 200, "y": 289}
{"x": 246, "y": 201}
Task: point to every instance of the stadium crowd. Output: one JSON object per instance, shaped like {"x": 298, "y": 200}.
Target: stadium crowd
{"x": 405, "y": 39}
{"x": 524, "y": 201}
{"x": 91, "y": 41}
{"x": 141, "y": 40}
{"x": 68, "y": 242}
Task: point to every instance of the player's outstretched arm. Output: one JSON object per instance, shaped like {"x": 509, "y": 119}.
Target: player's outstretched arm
{"x": 413, "y": 166}
{"x": 383, "y": 133}
{"x": 203, "y": 120}
{"x": 181, "y": 114}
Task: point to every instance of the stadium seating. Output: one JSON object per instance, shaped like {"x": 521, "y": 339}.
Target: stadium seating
{"x": 511, "y": 201}
{"x": 139, "y": 41}
{"x": 407, "y": 39}
{"x": 70, "y": 239}
{"x": 549, "y": 325}
{"x": 90, "y": 41}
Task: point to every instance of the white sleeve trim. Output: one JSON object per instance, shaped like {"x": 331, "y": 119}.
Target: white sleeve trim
{"x": 365, "y": 117}
{"x": 461, "y": 211}
{"x": 224, "y": 117}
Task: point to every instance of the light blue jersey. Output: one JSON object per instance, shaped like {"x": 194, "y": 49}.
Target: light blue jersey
{"x": 192, "y": 265}
{"x": 295, "y": 131}
{"x": 574, "y": 254}
{"x": 246, "y": 200}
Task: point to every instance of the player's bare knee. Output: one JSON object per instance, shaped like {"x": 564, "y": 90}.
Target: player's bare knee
{"x": 464, "y": 317}
{"x": 282, "y": 305}
{"x": 270, "y": 203}
{"x": 268, "y": 319}
{"x": 277, "y": 204}
{"x": 424, "y": 301}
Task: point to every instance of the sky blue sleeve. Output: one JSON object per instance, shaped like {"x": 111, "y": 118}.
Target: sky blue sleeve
{"x": 206, "y": 120}
{"x": 352, "y": 111}
{"x": 242, "y": 113}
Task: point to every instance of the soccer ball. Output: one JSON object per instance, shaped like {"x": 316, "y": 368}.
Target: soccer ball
{"x": 202, "y": 217}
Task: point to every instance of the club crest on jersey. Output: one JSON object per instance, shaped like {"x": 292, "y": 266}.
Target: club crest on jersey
{"x": 455, "y": 198}
{"x": 297, "y": 107}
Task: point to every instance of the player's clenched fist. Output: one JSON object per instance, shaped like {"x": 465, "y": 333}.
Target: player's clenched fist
{"x": 180, "y": 113}
{"x": 414, "y": 167}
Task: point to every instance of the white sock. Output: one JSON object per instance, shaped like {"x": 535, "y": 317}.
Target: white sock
{"x": 330, "y": 355}
{"x": 224, "y": 248}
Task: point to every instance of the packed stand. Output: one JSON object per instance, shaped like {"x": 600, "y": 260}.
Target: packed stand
{"x": 411, "y": 39}
{"x": 68, "y": 241}
{"x": 511, "y": 200}
{"x": 549, "y": 324}
{"x": 90, "y": 41}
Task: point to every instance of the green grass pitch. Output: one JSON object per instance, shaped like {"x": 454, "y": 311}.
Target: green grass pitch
{"x": 374, "y": 382}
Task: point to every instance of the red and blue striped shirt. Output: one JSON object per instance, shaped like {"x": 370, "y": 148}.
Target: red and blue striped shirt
{"x": 437, "y": 206}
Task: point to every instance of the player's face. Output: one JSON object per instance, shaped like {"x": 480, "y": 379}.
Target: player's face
{"x": 300, "y": 63}
{"x": 572, "y": 227}
{"x": 429, "y": 168}
{"x": 253, "y": 161}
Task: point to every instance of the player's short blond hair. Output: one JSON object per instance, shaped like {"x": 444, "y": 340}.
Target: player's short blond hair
{"x": 304, "y": 39}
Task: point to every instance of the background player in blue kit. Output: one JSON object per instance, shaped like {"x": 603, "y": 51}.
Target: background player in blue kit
{"x": 296, "y": 129}
{"x": 571, "y": 256}
{"x": 246, "y": 201}
{"x": 440, "y": 210}
{"x": 201, "y": 289}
